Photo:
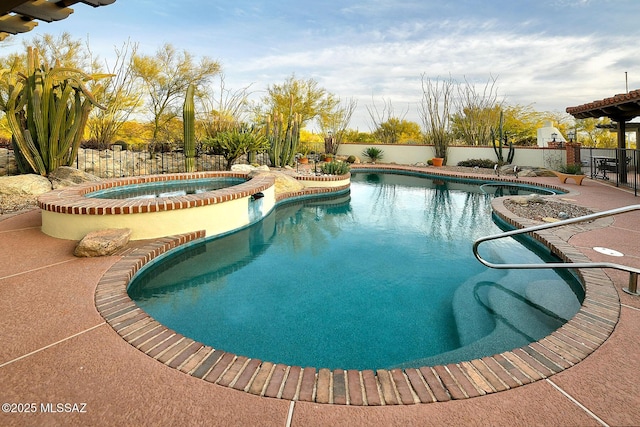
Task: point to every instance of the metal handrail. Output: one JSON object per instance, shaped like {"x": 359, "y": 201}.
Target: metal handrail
{"x": 633, "y": 272}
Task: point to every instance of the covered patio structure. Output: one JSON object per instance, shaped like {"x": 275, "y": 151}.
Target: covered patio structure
{"x": 621, "y": 109}
{"x": 21, "y": 16}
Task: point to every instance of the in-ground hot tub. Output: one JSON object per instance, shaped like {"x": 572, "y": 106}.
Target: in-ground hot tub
{"x": 72, "y": 212}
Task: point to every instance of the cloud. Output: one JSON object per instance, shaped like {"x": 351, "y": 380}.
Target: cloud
{"x": 546, "y": 70}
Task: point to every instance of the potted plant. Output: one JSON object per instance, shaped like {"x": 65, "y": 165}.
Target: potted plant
{"x": 573, "y": 171}
{"x": 373, "y": 153}
{"x": 327, "y": 157}
{"x": 437, "y": 161}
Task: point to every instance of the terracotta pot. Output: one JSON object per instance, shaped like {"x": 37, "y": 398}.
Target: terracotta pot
{"x": 303, "y": 160}
{"x": 437, "y": 161}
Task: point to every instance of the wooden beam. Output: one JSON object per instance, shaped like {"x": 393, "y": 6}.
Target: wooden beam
{"x": 43, "y": 10}
{"x": 7, "y": 5}
{"x": 94, "y": 3}
{"x": 14, "y": 24}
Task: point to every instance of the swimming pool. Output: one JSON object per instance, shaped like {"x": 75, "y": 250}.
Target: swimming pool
{"x": 381, "y": 278}
{"x": 152, "y": 190}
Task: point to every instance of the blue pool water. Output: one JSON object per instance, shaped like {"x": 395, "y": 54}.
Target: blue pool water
{"x": 378, "y": 278}
{"x": 150, "y": 190}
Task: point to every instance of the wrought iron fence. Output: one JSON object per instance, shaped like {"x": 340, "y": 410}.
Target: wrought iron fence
{"x": 616, "y": 165}
{"x": 115, "y": 162}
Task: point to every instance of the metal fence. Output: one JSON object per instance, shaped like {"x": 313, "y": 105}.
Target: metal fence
{"x": 616, "y": 165}
{"x": 114, "y": 162}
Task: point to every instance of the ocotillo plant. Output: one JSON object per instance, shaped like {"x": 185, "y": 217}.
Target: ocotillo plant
{"x": 497, "y": 147}
{"x": 47, "y": 110}
{"x": 189, "y": 126}
{"x": 283, "y": 138}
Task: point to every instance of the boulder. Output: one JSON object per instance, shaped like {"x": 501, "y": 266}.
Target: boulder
{"x": 284, "y": 183}
{"x": 242, "y": 168}
{"x": 102, "y": 242}
{"x": 66, "y": 176}
{"x": 21, "y": 192}
{"x": 24, "y": 185}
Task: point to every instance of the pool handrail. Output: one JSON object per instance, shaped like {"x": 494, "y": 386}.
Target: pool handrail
{"x": 633, "y": 272}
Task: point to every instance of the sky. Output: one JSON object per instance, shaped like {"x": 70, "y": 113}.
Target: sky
{"x": 547, "y": 54}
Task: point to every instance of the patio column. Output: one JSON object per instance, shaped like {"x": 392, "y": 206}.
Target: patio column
{"x": 622, "y": 153}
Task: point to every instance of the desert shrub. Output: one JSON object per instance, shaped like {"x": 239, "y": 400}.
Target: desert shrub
{"x": 335, "y": 168}
{"x": 481, "y": 163}
{"x": 572, "y": 168}
{"x": 351, "y": 159}
{"x": 121, "y": 143}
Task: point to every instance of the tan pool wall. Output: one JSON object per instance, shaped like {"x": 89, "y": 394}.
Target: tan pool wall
{"x": 214, "y": 219}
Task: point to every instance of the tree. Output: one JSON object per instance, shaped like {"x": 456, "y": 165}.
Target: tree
{"x": 334, "y": 124}
{"x": 521, "y": 124}
{"x": 435, "y": 111}
{"x": 385, "y": 124}
{"x": 120, "y": 95}
{"x": 477, "y": 112}
{"x": 166, "y": 76}
{"x": 225, "y": 110}
{"x": 354, "y": 135}
{"x": 301, "y": 97}
{"x": 237, "y": 142}
{"x": 593, "y": 133}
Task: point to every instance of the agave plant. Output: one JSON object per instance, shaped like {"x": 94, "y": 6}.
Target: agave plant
{"x": 47, "y": 110}
{"x": 373, "y": 153}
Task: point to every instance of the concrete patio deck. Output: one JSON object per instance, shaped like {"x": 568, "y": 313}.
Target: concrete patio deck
{"x": 57, "y": 349}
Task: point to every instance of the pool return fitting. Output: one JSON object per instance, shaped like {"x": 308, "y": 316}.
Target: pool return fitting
{"x": 633, "y": 272}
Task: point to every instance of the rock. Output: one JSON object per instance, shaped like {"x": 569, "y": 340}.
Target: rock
{"x": 21, "y": 192}
{"x": 242, "y": 168}
{"x": 102, "y": 242}
{"x": 24, "y": 185}
{"x": 536, "y": 198}
{"x": 520, "y": 200}
{"x": 66, "y": 176}
{"x": 284, "y": 183}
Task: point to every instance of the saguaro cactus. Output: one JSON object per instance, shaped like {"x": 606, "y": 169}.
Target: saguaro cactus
{"x": 47, "y": 110}
{"x": 189, "y": 126}
{"x": 497, "y": 147}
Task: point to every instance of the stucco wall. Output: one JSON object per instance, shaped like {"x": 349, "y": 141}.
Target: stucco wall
{"x": 411, "y": 154}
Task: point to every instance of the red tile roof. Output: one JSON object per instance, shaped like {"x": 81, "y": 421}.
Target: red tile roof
{"x": 623, "y": 106}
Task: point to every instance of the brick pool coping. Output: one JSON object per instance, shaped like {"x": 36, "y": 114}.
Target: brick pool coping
{"x": 560, "y": 350}
{"x": 72, "y": 200}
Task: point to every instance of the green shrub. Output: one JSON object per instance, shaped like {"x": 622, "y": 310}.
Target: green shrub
{"x": 572, "y": 168}
{"x": 121, "y": 143}
{"x": 481, "y": 163}
{"x": 351, "y": 159}
{"x": 335, "y": 168}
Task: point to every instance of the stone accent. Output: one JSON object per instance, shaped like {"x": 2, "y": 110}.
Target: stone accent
{"x": 284, "y": 183}
{"x": 102, "y": 242}
{"x": 25, "y": 185}
{"x": 21, "y": 191}
{"x": 66, "y": 176}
